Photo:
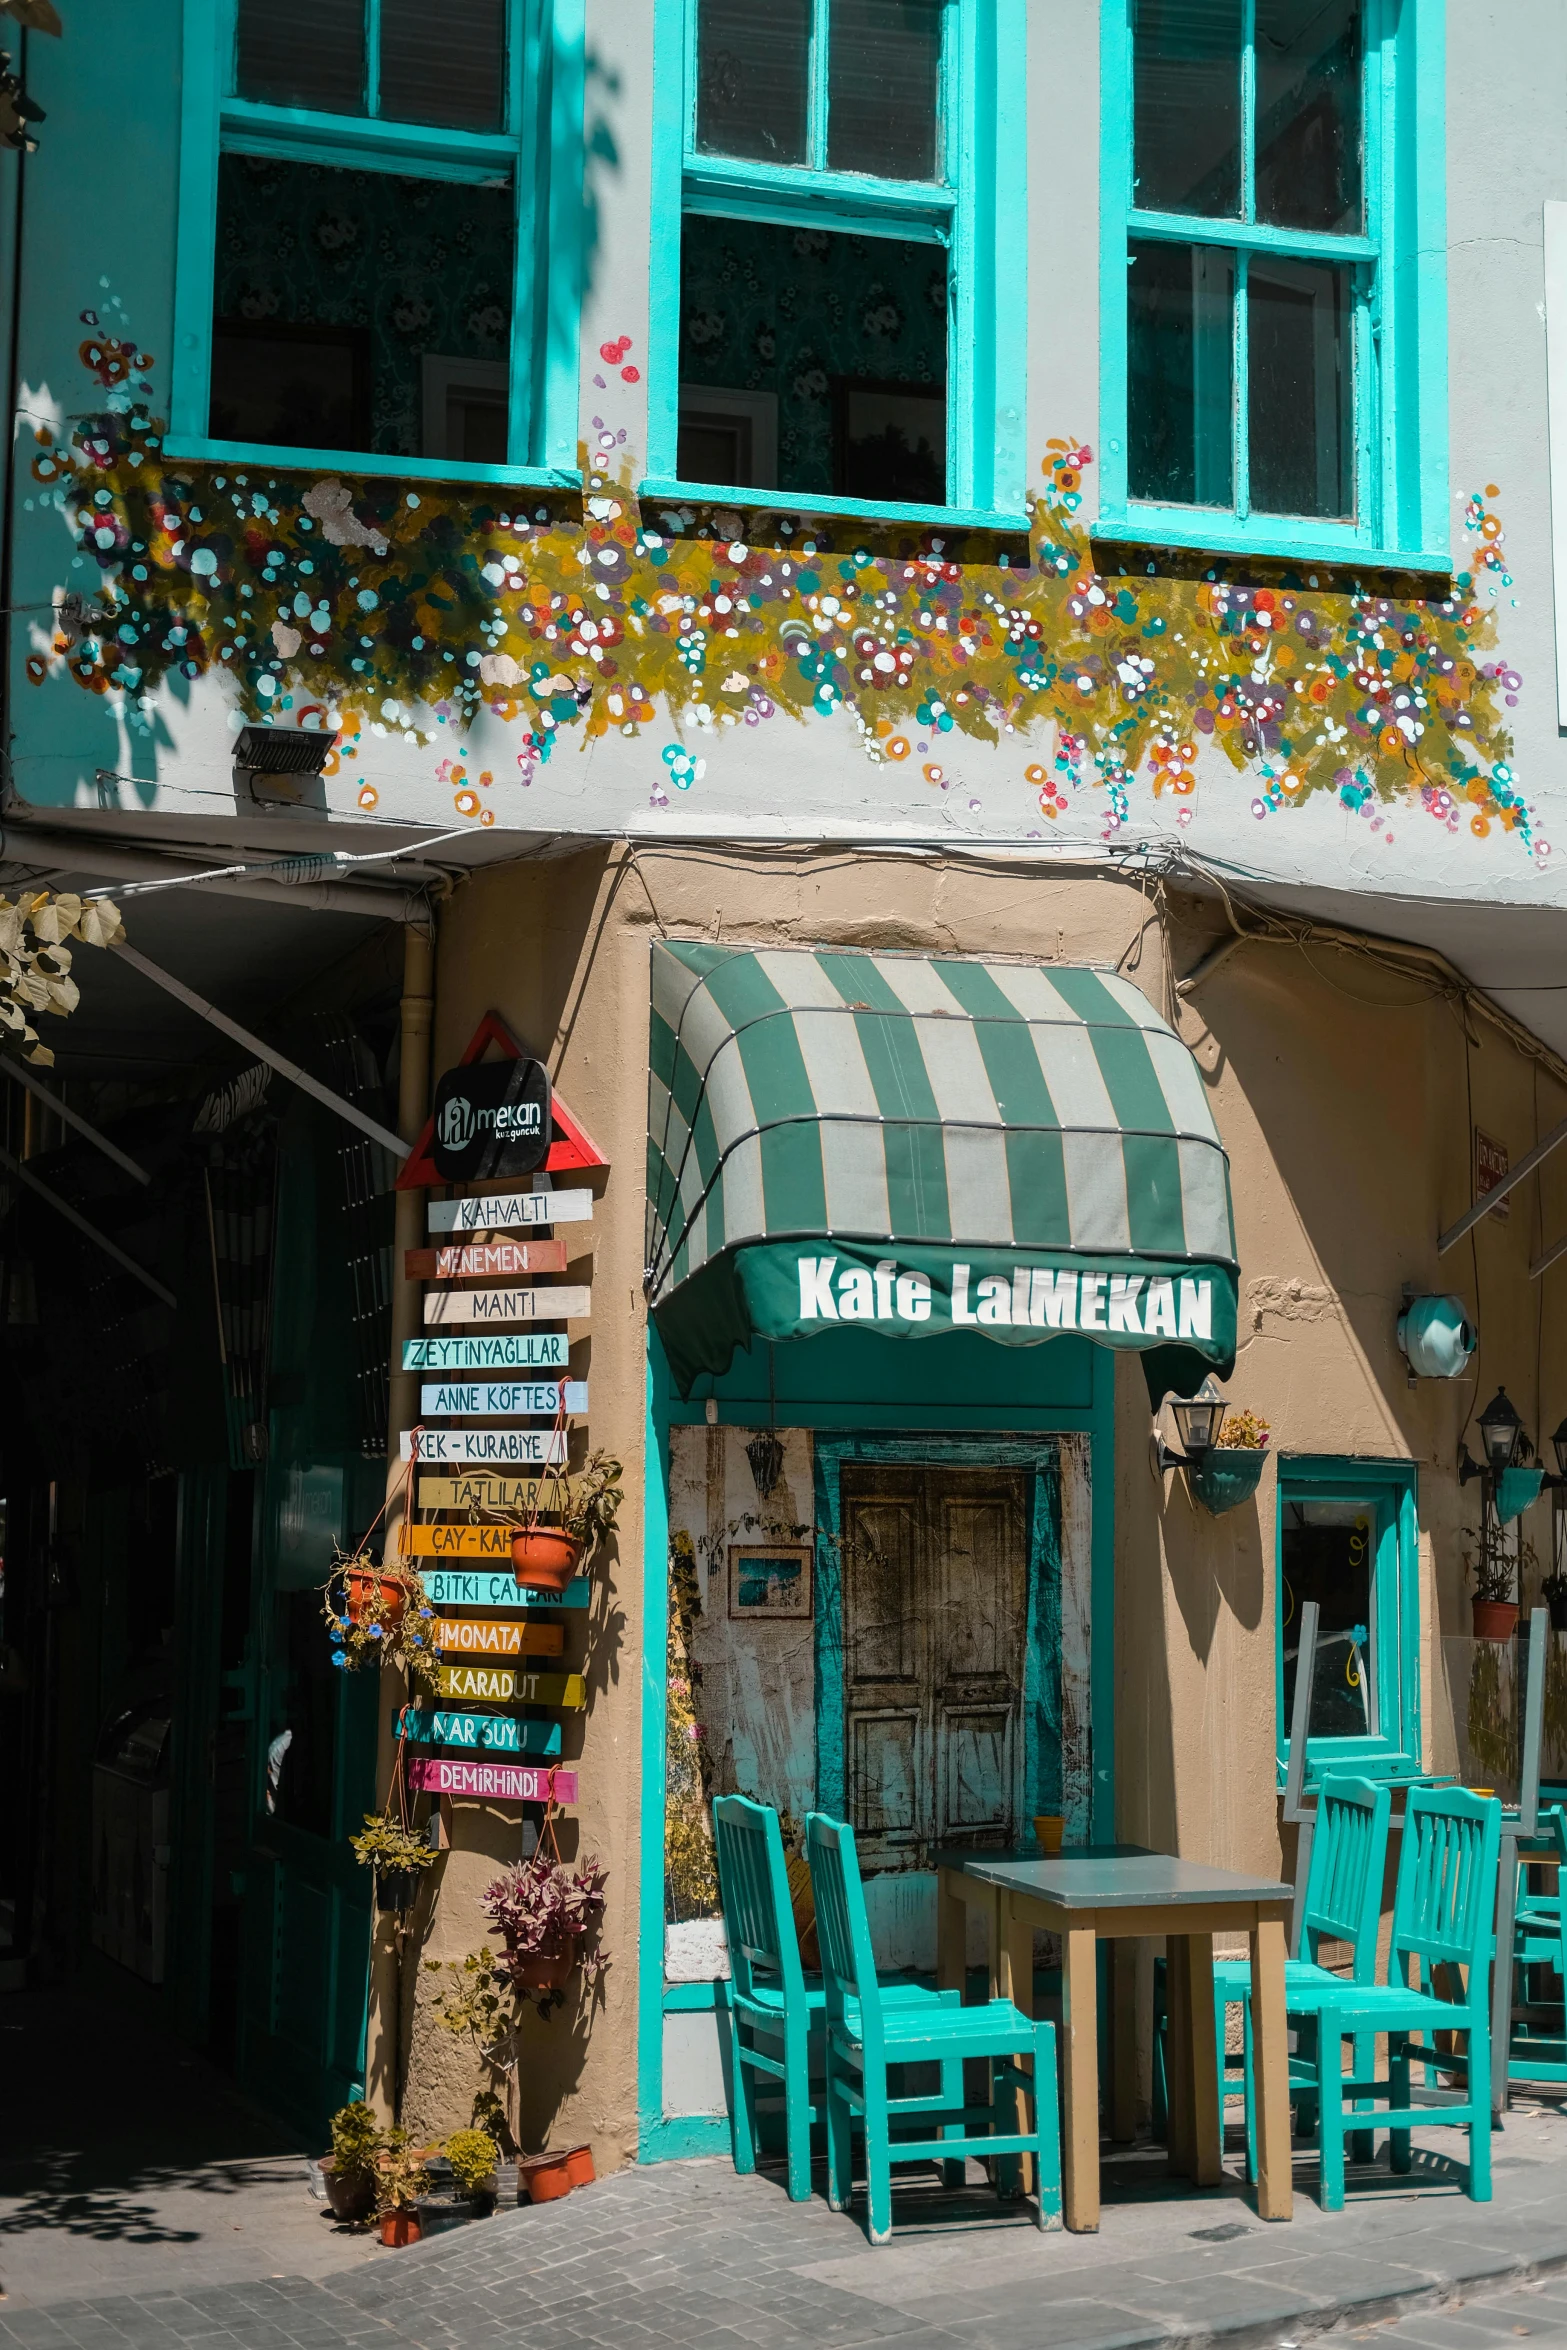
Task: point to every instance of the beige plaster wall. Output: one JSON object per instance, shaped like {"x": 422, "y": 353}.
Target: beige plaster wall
{"x": 1341, "y": 1089}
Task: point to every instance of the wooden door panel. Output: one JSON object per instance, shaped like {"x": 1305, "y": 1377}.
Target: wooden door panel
{"x": 976, "y": 1788}
{"x": 881, "y": 1537}
{"x": 885, "y": 1776}
{"x": 980, "y": 1572}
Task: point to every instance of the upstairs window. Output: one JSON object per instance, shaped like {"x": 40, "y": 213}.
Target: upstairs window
{"x": 826, "y": 201}
{"x": 1273, "y": 334}
{"x": 364, "y": 234}
{"x": 1347, "y": 1539}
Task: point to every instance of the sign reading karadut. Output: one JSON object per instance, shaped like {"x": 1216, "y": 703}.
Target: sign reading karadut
{"x": 505, "y": 1685}
{"x": 499, "y": 1211}
{"x": 558, "y": 1302}
{"x": 1133, "y": 1305}
{"x": 535, "y": 1448}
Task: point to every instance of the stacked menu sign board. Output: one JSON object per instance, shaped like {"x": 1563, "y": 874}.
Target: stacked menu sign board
{"x": 494, "y": 1352}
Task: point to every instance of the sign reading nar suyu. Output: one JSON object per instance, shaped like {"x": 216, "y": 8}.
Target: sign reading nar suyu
{"x": 492, "y": 1118}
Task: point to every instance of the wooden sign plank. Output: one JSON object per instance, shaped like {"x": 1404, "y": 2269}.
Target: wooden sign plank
{"x": 454, "y": 1587}
{"x": 512, "y": 1350}
{"x": 474, "y": 1636}
{"x": 501, "y": 1211}
{"x": 480, "y": 1490}
{"x": 458, "y": 1542}
{"x": 513, "y": 1782}
{"x": 501, "y": 1685}
{"x": 498, "y": 1260}
{"x": 477, "y": 1733}
{"x": 523, "y": 1448}
{"x": 559, "y": 1302}
{"x": 501, "y": 1399}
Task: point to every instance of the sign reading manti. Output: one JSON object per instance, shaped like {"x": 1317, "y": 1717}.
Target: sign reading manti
{"x": 559, "y": 1302}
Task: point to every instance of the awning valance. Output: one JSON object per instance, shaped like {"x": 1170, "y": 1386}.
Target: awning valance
{"x": 916, "y": 1144}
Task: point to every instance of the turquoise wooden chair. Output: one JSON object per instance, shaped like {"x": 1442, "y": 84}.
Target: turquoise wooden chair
{"x": 1443, "y": 1913}
{"x": 1540, "y": 1940}
{"x": 772, "y": 2000}
{"x": 867, "y": 2033}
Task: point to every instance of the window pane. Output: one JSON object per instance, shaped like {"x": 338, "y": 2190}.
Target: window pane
{"x": 1186, "y": 68}
{"x": 1302, "y": 404}
{"x": 1328, "y": 1553}
{"x": 883, "y": 70}
{"x": 332, "y": 289}
{"x": 825, "y": 352}
{"x": 1180, "y": 337}
{"x": 753, "y": 66}
{"x": 1308, "y": 113}
{"x": 444, "y": 64}
{"x": 303, "y": 53}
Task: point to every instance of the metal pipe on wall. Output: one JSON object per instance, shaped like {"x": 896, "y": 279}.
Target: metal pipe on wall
{"x": 384, "y": 2030}
{"x": 56, "y": 851}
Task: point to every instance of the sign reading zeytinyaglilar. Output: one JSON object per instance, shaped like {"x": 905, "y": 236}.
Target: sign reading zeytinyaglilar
{"x": 515, "y": 1350}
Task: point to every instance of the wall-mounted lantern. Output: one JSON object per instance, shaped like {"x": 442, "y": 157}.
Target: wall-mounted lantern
{"x": 1198, "y": 1419}
{"x": 1220, "y": 1477}
{"x": 1501, "y": 1432}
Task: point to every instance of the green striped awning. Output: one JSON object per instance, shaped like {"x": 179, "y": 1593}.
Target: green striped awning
{"x": 925, "y": 1143}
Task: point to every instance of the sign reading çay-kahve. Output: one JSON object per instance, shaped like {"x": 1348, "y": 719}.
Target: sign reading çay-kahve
{"x": 502, "y": 1399}
{"x": 532, "y": 1448}
{"x": 500, "y": 1211}
{"x": 491, "y": 1118}
{"x": 558, "y": 1303}
{"x": 516, "y": 1350}
{"x": 515, "y": 1782}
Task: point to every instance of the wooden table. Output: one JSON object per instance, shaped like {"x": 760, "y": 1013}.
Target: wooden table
{"x": 1120, "y": 1891}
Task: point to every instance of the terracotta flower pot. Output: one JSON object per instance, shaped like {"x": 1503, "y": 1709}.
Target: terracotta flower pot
{"x": 351, "y": 2198}
{"x": 400, "y": 2226}
{"x": 544, "y": 2178}
{"x": 543, "y": 1558}
{"x": 579, "y": 2166}
{"x": 383, "y": 1597}
{"x": 543, "y": 1970}
{"x": 1495, "y": 1619}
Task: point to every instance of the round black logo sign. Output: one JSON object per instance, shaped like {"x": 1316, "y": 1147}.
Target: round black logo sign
{"x": 492, "y": 1119}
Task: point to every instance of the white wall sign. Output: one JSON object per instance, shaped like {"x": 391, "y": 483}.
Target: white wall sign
{"x": 497, "y": 1210}
{"x": 506, "y": 1399}
{"x": 538, "y": 1448}
{"x": 560, "y": 1302}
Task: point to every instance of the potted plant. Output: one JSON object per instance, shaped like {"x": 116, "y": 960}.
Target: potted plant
{"x": 1495, "y": 1610}
{"x": 398, "y": 1854}
{"x": 400, "y": 2181}
{"x": 585, "y": 1506}
{"x": 1230, "y": 1471}
{"x": 547, "y": 1916}
{"x": 379, "y": 1616}
{"x": 544, "y": 2178}
{"x": 1554, "y": 1593}
{"x": 473, "y": 2155}
{"x": 348, "y": 2172}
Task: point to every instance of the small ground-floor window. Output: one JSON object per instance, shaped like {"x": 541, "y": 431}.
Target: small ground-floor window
{"x": 1347, "y": 1539}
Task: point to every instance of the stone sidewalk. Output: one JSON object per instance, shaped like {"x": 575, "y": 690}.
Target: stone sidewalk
{"x": 687, "y": 2254}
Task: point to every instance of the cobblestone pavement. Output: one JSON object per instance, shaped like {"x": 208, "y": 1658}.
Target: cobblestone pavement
{"x": 687, "y": 2254}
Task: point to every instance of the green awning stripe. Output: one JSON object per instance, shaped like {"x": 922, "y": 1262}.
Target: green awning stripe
{"x": 1036, "y": 1174}
{"x": 915, "y": 1156}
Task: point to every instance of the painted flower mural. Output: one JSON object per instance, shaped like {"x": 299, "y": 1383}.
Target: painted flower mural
{"x": 374, "y": 603}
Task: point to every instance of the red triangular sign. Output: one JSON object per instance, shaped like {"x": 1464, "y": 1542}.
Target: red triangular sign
{"x": 571, "y": 1150}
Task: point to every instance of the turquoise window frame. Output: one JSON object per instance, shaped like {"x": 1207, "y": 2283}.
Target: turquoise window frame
{"x": 541, "y": 149}
{"x": 977, "y": 211}
{"x": 1390, "y": 1488}
{"x": 1402, "y": 516}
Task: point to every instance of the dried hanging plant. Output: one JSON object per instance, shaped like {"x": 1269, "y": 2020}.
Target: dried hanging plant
{"x": 36, "y": 974}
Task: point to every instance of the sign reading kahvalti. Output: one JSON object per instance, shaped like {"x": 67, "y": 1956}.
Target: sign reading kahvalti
{"x": 491, "y": 1118}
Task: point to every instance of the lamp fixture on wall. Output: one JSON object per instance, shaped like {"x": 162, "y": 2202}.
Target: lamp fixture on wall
{"x": 1502, "y": 1437}
{"x": 1198, "y": 1419}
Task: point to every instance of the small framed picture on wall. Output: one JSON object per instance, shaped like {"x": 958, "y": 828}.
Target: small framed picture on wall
{"x": 770, "y": 1582}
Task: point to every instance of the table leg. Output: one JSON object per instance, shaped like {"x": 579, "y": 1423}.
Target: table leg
{"x": 1123, "y": 2042}
{"x": 1080, "y": 2065}
{"x": 1271, "y": 2070}
{"x": 1179, "y": 2142}
{"x": 951, "y": 1934}
{"x": 1015, "y": 1943}
{"x": 1502, "y": 1975}
{"x": 1207, "y": 2147}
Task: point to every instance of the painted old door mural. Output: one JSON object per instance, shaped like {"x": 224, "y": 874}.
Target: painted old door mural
{"x": 935, "y": 1605}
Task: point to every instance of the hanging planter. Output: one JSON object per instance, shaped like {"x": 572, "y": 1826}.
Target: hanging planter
{"x": 542, "y": 1970}
{"x": 543, "y": 1558}
{"x": 1226, "y": 1476}
{"x": 1494, "y": 1619}
{"x": 374, "y": 1598}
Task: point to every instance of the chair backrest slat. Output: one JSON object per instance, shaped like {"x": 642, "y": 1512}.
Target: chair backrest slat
{"x": 1348, "y": 1860}
{"x": 1445, "y": 1904}
{"x": 753, "y": 1884}
{"x": 842, "y": 1927}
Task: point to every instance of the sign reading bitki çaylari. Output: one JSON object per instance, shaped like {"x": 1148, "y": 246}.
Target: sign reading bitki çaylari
{"x": 485, "y": 1733}
{"x": 500, "y": 1211}
{"x": 478, "y": 1587}
{"x": 512, "y": 1782}
{"x": 532, "y": 1448}
{"x": 557, "y": 1302}
{"x": 477, "y": 1636}
{"x": 503, "y": 1685}
{"x": 495, "y": 1260}
{"x": 502, "y": 1399}
{"x": 509, "y": 1350}
{"x": 491, "y": 1118}
{"x": 1130, "y": 1304}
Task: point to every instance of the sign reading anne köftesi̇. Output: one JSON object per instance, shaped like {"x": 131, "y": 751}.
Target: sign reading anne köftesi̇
{"x": 492, "y": 1118}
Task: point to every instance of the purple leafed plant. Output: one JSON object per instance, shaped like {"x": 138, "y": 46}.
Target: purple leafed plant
{"x": 542, "y": 1909}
